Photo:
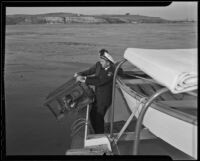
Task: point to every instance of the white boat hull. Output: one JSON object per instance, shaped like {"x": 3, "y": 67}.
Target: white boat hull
{"x": 178, "y": 133}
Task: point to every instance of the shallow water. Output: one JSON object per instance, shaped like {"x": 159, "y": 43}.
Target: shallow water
{"x": 39, "y": 58}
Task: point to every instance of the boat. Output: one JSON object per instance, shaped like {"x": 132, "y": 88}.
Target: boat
{"x": 168, "y": 109}
{"x": 158, "y": 89}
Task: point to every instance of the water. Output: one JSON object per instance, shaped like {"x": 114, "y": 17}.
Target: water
{"x": 39, "y": 58}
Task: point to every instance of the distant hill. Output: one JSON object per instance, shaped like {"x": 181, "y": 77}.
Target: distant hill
{"x": 57, "y": 14}
{"x": 68, "y": 18}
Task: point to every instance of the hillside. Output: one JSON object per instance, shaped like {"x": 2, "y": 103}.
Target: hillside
{"x": 68, "y": 18}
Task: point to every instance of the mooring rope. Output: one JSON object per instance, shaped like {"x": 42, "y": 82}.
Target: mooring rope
{"x": 74, "y": 132}
{"x": 78, "y": 124}
{"x": 80, "y": 119}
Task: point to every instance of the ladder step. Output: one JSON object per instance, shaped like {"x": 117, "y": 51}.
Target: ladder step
{"x": 93, "y": 150}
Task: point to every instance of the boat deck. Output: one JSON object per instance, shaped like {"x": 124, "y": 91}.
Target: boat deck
{"x": 147, "y": 146}
{"x": 182, "y": 106}
{"x": 152, "y": 147}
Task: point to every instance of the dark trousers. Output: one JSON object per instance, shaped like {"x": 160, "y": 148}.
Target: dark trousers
{"x": 97, "y": 118}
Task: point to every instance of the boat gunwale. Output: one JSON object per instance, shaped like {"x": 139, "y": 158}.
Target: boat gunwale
{"x": 162, "y": 108}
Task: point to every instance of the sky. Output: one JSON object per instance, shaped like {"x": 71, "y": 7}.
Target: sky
{"x": 175, "y": 11}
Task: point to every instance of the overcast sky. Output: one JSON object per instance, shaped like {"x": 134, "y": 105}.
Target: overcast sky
{"x": 175, "y": 11}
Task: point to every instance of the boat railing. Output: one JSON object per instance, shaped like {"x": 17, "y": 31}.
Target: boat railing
{"x": 141, "y": 117}
{"x": 113, "y": 95}
{"x": 170, "y": 107}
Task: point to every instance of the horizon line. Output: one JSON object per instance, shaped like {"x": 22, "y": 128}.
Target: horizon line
{"x": 188, "y": 19}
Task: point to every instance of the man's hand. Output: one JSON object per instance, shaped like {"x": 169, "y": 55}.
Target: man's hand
{"x": 75, "y": 74}
{"x": 80, "y": 79}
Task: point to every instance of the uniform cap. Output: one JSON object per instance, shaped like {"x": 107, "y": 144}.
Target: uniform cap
{"x": 104, "y": 55}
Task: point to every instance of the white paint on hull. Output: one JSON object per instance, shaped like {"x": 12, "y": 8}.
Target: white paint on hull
{"x": 178, "y": 133}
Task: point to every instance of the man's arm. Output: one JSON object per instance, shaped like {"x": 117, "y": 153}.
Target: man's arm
{"x": 89, "y": 71}
{"x": 96, "y": 81}
{"x": 100, "y": 80}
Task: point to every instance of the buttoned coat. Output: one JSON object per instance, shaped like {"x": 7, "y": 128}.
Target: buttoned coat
{"x": 102, "y": 79}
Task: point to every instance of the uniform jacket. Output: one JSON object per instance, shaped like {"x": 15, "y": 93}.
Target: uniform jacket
{"x": 102, "y": 79}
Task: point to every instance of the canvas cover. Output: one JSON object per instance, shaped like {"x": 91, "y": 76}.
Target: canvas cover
{"x": 174, "y": 68}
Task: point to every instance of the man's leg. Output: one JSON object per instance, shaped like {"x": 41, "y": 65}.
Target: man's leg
{"x": 99, "y": 118}
{"x": 99, "y": 123}
{"x": 92, "y": 117}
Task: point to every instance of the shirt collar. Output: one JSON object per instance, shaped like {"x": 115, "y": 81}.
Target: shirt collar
{"x": 106, "y": 68}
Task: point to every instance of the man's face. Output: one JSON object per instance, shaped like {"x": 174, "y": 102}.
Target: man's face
{"x": 103, "y": 62}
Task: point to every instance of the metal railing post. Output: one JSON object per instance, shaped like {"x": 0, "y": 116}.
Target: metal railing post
{"x": 86, "y": 122}
{"x": 113, "y": 95}
{"x": 141, "y": 116}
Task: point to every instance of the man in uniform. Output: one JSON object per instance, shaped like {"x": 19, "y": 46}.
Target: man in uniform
{"x": 101, "y": 76}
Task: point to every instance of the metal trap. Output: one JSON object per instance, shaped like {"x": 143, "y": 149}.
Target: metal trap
{"x": 71, "y": 95}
